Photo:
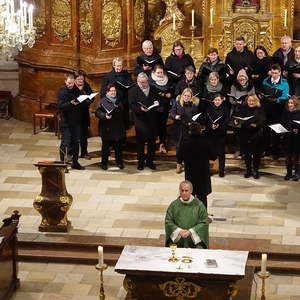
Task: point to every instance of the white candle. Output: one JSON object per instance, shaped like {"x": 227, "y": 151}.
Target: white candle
{"x": 211, "y": 15}
{"x": 263, "y": 263}
{"x": 193, "y": 17}
{"x": 285, "y": 17}
{"x": 100, "y": 256}
{"x": 174, "y": 24}
{"x": 25, "y": 13}
{"x": 30, "y": 10}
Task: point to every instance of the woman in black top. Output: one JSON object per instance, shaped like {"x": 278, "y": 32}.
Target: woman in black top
{"x": 251, "y": 133}
{"x": 160, "y": 80}
{"x": 217, "y": 117}
{"x": 261, "y": 67}
{"x": 122, "y": 80}
{"x": 178, "y": 61}
{"x": 111, "y": 126}
{"x": 83, "y": 88}
{"x": 182, "y": 111}
{"x": 292, "y": 138}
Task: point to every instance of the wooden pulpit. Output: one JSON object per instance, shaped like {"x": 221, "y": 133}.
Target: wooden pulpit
{"x": 8, "y": 253}
{"x": 199, "y": 274}
{"x": 54, "y": 201}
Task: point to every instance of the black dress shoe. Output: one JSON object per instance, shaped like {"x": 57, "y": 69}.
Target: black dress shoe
{"x": 140, "y": 167}
{"x": 256, "y": 175}
{"x": 247, "y": 174}
{"x": 151, "y": 166}
{"x": 221, "y": 174}
{"x": 103, "y": 166}
{"x": 77, "y": 167}
{"x": 120, "y": 166}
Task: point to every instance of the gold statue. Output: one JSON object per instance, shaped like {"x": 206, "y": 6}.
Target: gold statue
{"x": 171, "y": 9}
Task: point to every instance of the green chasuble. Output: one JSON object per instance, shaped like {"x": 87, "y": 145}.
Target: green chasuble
{"x": 191, "y": 215}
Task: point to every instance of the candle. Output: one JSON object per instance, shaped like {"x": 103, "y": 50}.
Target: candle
{"x": 193, "y": 17}
{"x": 174, "y": 24}
{"x": 25, "y": 13}
{"x": 285, "y": 17}
{"x": 263, "y": 263}
{"x": 211, "y": 15}
{"x": 30, "y": 10}
{"x": 100, "y": 256}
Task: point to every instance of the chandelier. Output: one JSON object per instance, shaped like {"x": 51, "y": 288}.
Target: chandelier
{"x": 16, "y": 26}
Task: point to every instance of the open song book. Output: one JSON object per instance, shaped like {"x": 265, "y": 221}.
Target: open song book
{"x": 278, "y": 128}
{"x": 243, "y": 119}
{"x": 82, "y": 98}
{"x": 149, "y": 107}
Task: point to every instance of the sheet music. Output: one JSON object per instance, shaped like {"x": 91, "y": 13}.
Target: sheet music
{"x": 195, "y": 117}
{"x": 278, "y": 128}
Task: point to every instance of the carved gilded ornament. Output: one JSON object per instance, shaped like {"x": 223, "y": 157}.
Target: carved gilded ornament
{"x": 172, "y": 9}
{"x": 129, "y": 285}
{"x": 40, "y": 19}
{"x": 111, "y": 22}
{"x": 181, "y": 289}
{"x": 232, "y": 291}
{"x": 246, "y": 29}
{"x": 86, "y": 21}
{"x": 139, "y": 19}
{"x": 61, "y": 19}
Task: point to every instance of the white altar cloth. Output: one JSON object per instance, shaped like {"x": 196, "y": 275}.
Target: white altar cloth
{"x": 155, "y": 259}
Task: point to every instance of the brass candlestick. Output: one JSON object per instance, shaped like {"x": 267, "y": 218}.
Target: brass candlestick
{"x": 263, "y": 276}
{"x": 173, "y": 248}
{"x": 101, "y": 268}
{"x": 192, "y": 28}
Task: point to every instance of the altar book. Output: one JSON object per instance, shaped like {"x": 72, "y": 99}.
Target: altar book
{"x": 81, "y": 98}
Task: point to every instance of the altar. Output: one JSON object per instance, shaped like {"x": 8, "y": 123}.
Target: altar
{"x": 199, "y": 273}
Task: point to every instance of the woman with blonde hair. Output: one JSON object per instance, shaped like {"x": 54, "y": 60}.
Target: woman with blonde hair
{"x": 182, "y": 111}
{"x": 292, "y": 138}
{"x": 252, "y": 119}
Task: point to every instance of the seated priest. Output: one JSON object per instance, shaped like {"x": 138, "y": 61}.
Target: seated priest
{"x": 186, "y": 221}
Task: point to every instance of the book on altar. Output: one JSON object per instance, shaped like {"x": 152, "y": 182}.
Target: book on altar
{"x": 81, "y": 98}
{"x": 243, "y": 119}
{"x": 149, "y": 107}
{"x": 278, "y": 128}
{"x": 195, "y": 117}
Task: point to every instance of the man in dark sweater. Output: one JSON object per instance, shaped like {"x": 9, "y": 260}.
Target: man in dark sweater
{"x": 69, "y": 108}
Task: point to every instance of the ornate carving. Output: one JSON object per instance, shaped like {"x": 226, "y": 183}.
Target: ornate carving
{"x": 128, "y": 285}
{"x": 226, "y": 40}
{"x": 172, "y": 9}
{"x": 86, "y": 21}
{"x": 111, "y": 22}
{"x": 246, "y": 29}
{"x": 61, "y": 19}
{"x": 40, "y": 19}
{"x": 232, "y": 291}
{"x": 154, "y": 14}
{"x": 180, "y": 289}
{"x": 139, "y": 17}
{"x": 265, "y": 37}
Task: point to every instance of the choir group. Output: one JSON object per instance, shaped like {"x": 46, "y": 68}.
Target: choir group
{"x": 245, "y": 94}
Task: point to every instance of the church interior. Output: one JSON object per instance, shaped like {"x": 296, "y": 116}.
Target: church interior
{"x": 116, "y": 207}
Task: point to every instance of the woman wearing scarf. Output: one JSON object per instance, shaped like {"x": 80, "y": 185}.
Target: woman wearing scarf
{"x": 183, "y": 110}
{"x": 160, "y": 80}
{"x": 178, "y": 61}
{"x": 111, "y": 126}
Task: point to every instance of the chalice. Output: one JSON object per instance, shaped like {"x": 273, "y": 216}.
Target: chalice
{"x": 173, "y": 248}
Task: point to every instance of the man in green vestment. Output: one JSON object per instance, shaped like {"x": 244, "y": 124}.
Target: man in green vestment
{"x": 186, "y": 221}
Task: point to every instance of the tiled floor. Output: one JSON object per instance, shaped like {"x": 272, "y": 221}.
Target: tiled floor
{"x": 131, "y": 203}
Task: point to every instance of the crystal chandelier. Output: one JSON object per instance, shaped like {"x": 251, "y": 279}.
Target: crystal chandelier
{"x": 16, "y": 26}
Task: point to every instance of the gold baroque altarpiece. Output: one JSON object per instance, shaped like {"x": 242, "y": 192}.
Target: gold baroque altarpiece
{"x": 86, "y": 21}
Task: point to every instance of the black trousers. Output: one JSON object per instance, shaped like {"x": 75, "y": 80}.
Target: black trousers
{"x": 162, "y": 126}
{"x": 141, "y": 156}
{"x": 116, "y": 145}
{"x": 70, "y": 139}
{"x": 84, "y": 134}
